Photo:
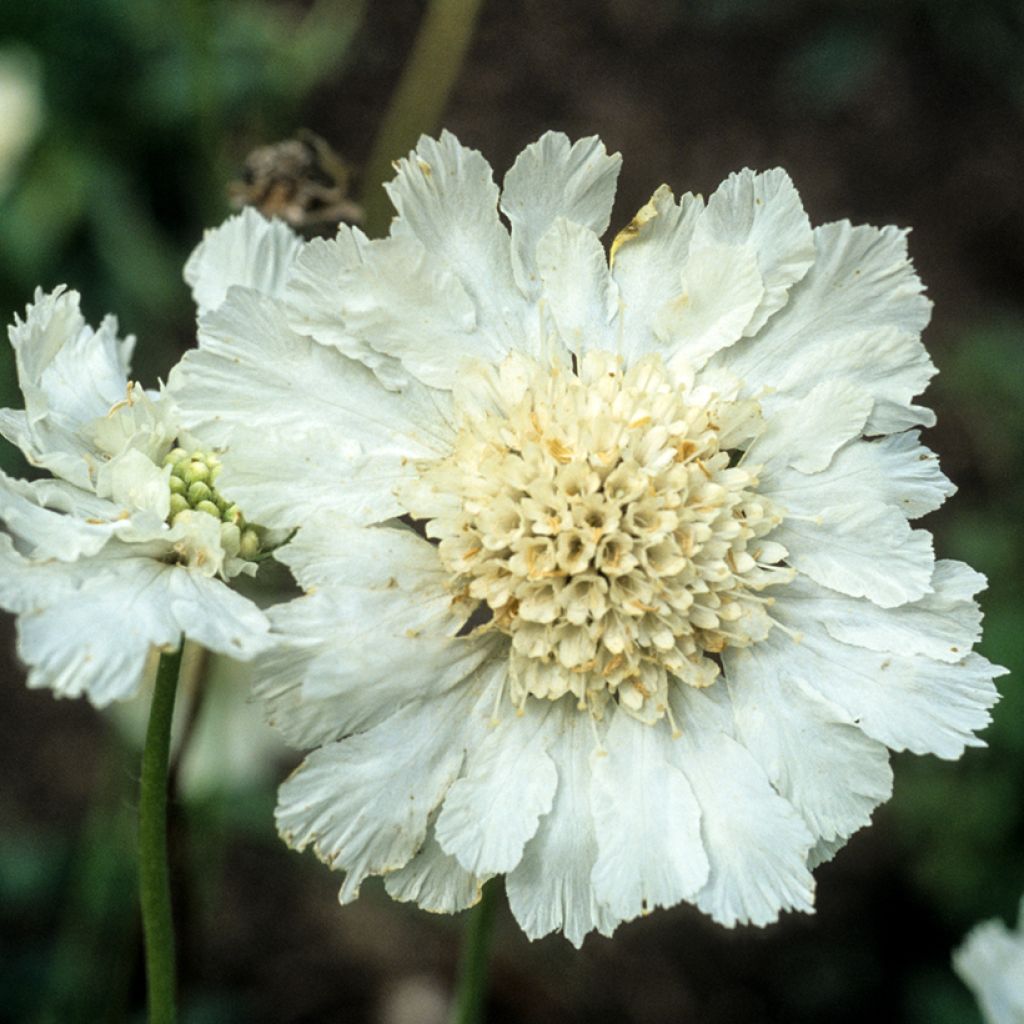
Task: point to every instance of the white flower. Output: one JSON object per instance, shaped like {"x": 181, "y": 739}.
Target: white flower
{"x": 609, "y": 582}
{"x": 21, "y": 109}
{"x": 991, "y": 964}
{"x": 121, "y": 549}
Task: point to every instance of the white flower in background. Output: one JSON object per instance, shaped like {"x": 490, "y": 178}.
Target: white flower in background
{"x": 609, "y": 581}
{"x": 21, "y": 109}
{"x": 127, "y": 546}
{"x": 991, "y": 963}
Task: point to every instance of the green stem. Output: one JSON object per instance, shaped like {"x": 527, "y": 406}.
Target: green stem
{"x": 419, "y": 98}
{"x": 154, "y": 882}
{"x": 471, "y": 992}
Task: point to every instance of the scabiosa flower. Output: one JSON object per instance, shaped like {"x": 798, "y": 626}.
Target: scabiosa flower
{"x": 127, "y": 546}
{"x": 991, "y": 964}
{"x": 610, "y": 586}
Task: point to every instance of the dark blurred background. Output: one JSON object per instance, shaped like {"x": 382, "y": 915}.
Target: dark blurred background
{"x": 121, "y": 126}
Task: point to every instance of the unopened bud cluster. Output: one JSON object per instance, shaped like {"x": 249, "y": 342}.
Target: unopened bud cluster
{"x": 193, "y": 488}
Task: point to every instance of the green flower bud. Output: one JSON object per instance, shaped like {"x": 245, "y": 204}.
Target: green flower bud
{"x": 179, "y": 469}
{"x": 208, "y": 507}
{"x": 198, "y": 492}
{"x": 232, "y": 514}
{"x": 197, "y": 471}
{"x": 175, "y": 455}
{"x": 249, "y": 547}
{"x": 215, "y": 470}
{"x": 177, "y": 485}
{"x": 178, "y": 504}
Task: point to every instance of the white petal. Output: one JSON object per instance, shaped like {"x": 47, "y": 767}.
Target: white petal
{"x": 805, "y": 434}
{"x": 755, "y": 840}
{"x": 861, "y": 281}
{"x": 364, "y": 802}
{"x": 550, "y": 889}
{"x": 402, "y": 303}
{"x": 434, "y": 881}
{"x": 650, "y": 852}
{"x": 577, "y": 286}
{"x": 721, "y": 288}
{"x": 814, "y": 755}
{"x": 943, "y": 625}
{"x": 509, "y": 783}
{"x": 287, "y": 408}
{"x": 991, "y": 964}
{"x": 69, "y": 375}
{"x": 133, "y": 481}
{"x": 87, "y": 628}
{"x": 446, "y": 197}
{"x": 246, "y": 250}
{"x": 52, "y": 519}
{"x": 215, "y": 616}
{"x": 890, "y": 364}
{"x": 764, "y": 212}
{"x": 907, "y": 703}
{"x": 312, "y": 300}
{"x": 94, "y": 638}
{"x": 894, "y": 470}
{"x": 355, "y": 650}
{"x": 555, "y": 178}
{"x": 864, "y": 550}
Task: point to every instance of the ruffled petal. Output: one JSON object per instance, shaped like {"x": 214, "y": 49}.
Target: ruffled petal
{"x": 764, "y": 212}
{"x": 434, "y": 880}
{"x": 246, "y": 250}
{"x": 550, "y": 889}
{"x": 811, "y": 751}
{"x": 508, "y": 785}
{"x": 889, "y": 364}
{"x": 554, "y": 178}
{"x": 906, "y": 702}
{"x": 943, "y": 625}
{"x": 807, "y": 433}
{"x": 446, "y": 197}
{"x": 312, "y": 301}
{"x": 87, "y": 628}
{"x": 861, "y": 281}
{"x": 379, "y": 631}
{"x": 70, "y": 375}
{"x": 286, "y": 409}
{"x": 895, "y": 470}
{"x": 720, "y": 290}
{"x": 215, "y": 616}
{"x": 51, "y": 519}
{"x": 756, "y": 842}
{"x": 401, "y": 303}
{"x": 364, "y": 802}
{"x": 863, "y": 550}
{"x": 577, "y": 287}
{"x": 650, "y": 852}
{"x": 647, "y": 258}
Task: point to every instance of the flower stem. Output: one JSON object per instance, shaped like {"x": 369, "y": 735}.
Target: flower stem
{"x": 419, "y": 98}
{"x": 154, "y": 882}
{"x": 472, "y": 985}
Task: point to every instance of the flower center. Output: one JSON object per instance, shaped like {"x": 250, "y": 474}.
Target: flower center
{"x": 603, "y": 520}
{"x": 193, "y": 488}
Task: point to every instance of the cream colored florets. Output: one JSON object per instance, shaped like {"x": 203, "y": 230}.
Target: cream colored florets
{"x": 605, "y": 520}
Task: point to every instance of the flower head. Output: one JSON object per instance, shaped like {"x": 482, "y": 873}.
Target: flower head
{"x": 991, "y": 964}
{"x": 127, "y": 545}
{"x": 610, "y": 586}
